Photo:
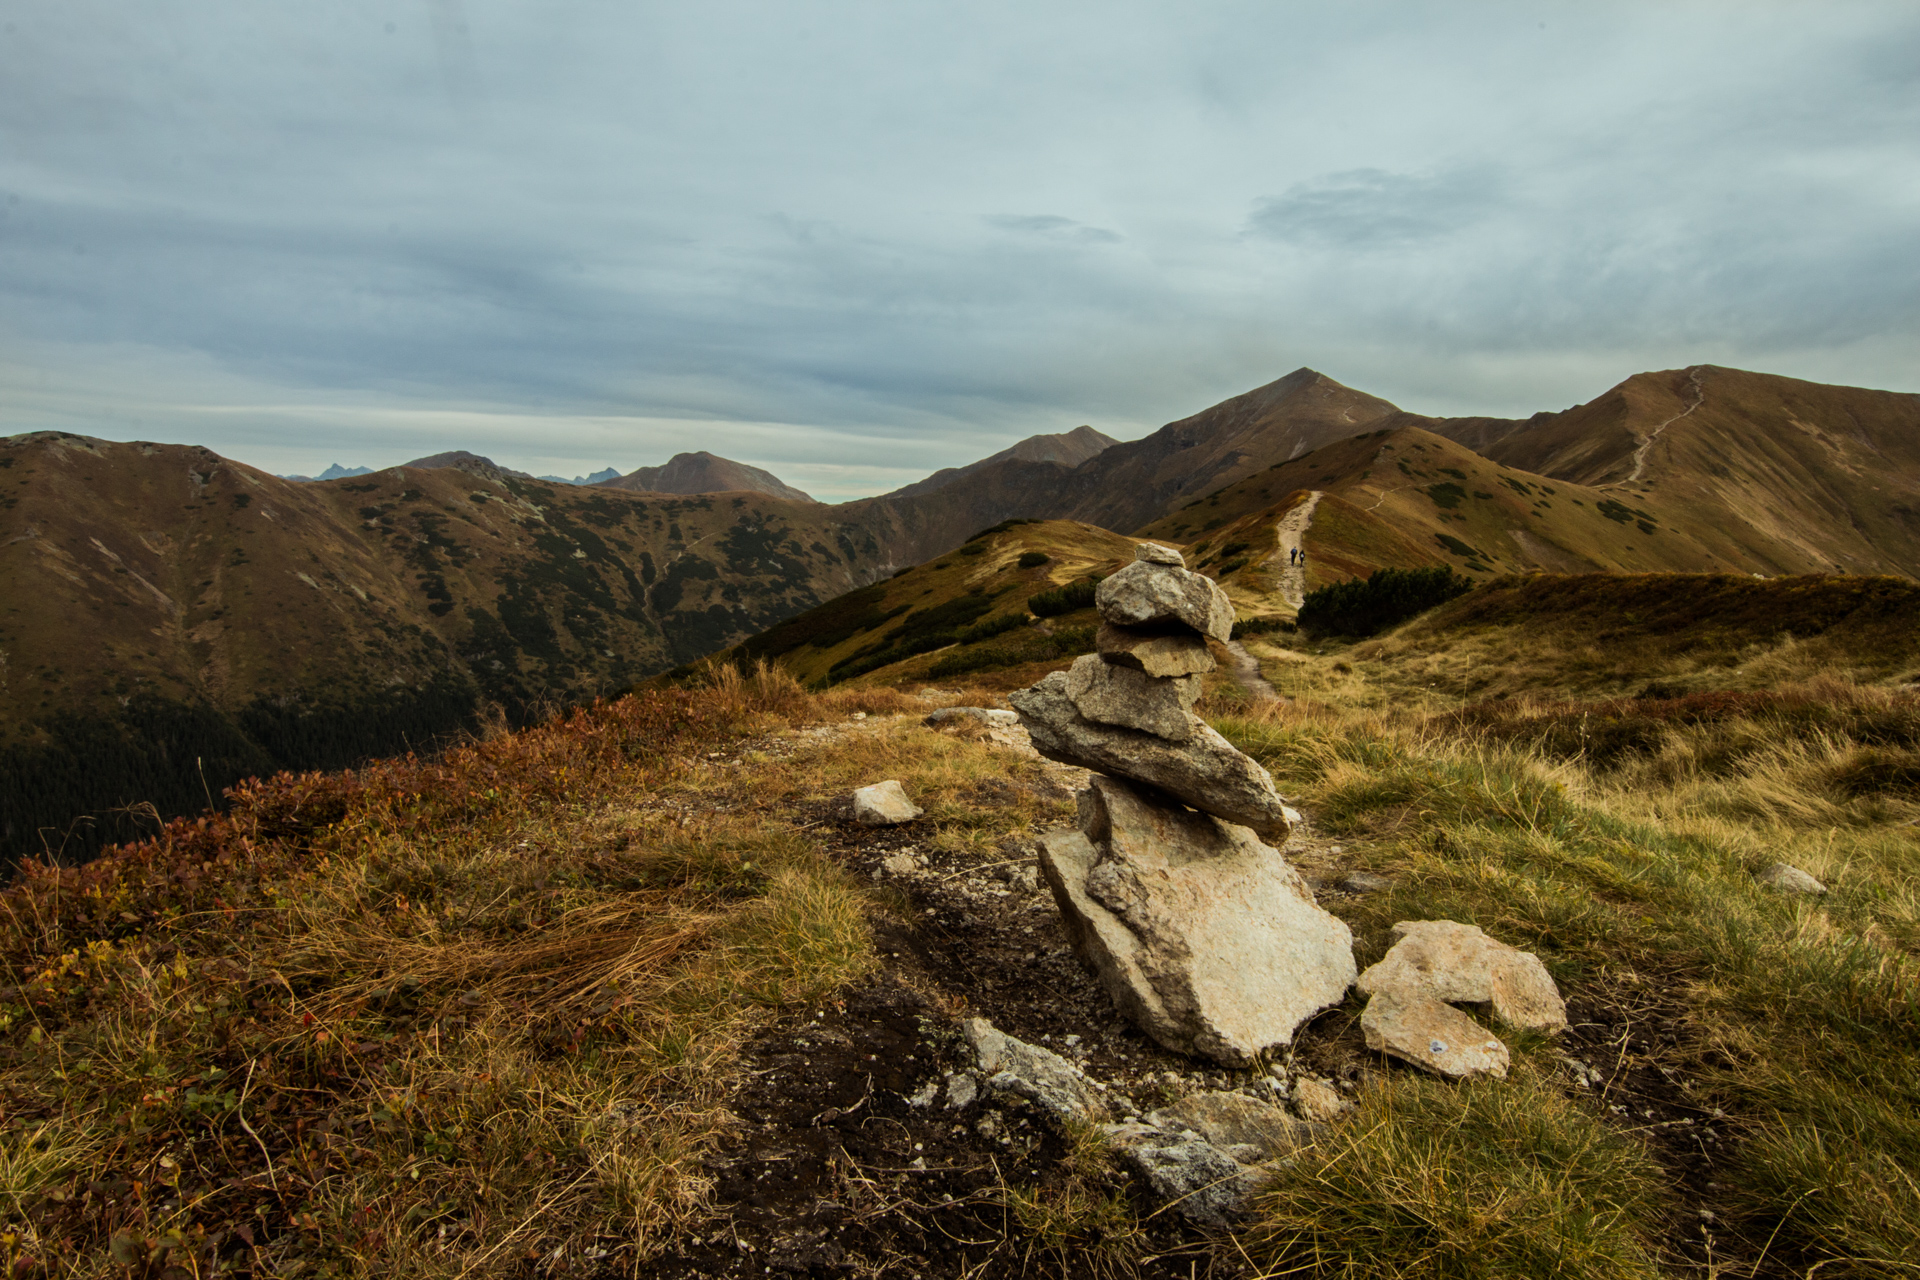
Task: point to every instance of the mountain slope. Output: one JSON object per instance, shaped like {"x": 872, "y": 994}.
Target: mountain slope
{"x": 1068, "y": 449}
{"x": 162, "y": 604}
{"x": 1128, "y": 484}
{"x": 704, "y": 472}
{"x": 1801, "y": 476}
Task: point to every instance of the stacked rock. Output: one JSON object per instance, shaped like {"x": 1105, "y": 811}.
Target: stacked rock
{"x": 1203, "y": 934}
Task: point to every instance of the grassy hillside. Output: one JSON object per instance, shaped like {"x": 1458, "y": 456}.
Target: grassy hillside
{"x": 631, "y": 993}
{"x": 966, "y": 613}
{"x": 1610, "y": 636}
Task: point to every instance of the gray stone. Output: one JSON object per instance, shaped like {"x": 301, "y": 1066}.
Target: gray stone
{"x": 1202, "y": 935}
{"x": 1365, "y": 882}
{"x": 1205, "y": 771}
{"x": 1318, "y": 1101}
{"x": 1228, "y": 1120}
{"x": 962, "y": 1089}
{"x": 1154, "y": 553}
{"x": 1158, "y": 653}
{"x": 1787, "y": 878}
{"x": 1149, "y": 592}
{"x": 1457, "y": 963}
{"x": 1039, "y": 1075}
{"x": 948, "y": 717}
{"x": 884, "y": 804}
{"x": 1198, "y": 1180}
{"x": 1109, "y": 694}
{"x": 1432, "y": 1035}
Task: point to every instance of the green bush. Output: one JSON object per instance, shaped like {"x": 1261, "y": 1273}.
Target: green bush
{"x": 991, "y": 627}
{"x": 1068, "y": 642}
{"x": 1363, "y": 607}
{"x": 1075, "y": 595}
{"x": 1033, "y": 559}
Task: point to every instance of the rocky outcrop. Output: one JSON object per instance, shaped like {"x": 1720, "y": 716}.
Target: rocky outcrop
{"x": 1437, "y": 964}
{"x": 1203, "y": 769}
{"x": 1199, "y": 1181}
{"x": 1238, "y": 1124}
{"x": 1200, "y": 931}
{"x": 1041, "y": 1076}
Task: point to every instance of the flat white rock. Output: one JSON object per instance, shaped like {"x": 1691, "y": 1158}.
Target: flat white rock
{"x": 884, "y": 804}
{"x": 1204, "y": 936}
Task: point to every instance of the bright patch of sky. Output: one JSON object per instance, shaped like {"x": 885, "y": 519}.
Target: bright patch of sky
{"x": 856, "y": 242}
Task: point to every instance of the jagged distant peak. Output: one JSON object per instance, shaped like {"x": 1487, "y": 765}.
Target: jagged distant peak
{"x": 334, "y": 472}
{"x": 599, "y": 477}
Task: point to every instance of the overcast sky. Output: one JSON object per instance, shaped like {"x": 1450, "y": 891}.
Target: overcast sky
{"x": 854, "y": 242}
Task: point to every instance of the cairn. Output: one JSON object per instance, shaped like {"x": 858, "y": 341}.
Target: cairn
{"x": 1202, "y": 933}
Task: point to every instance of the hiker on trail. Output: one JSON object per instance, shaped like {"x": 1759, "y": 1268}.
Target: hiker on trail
{"x": 1292, "y": 552}
{"x": 1303, "y": 555}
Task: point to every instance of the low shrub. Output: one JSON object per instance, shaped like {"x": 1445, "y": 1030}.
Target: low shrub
{"x": 1363, "y": 607}
{"x": 1075, "y": 595}
{"x": 1033, "y": 559}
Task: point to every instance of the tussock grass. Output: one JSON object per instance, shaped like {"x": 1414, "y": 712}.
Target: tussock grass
{"x": 428, "y": 1019}
{"x": 1801, "y": 1017}
{"x": 1489, "y": 1178}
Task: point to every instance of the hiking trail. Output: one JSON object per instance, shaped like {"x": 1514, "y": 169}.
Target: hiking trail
{"x": 1646, "y": 445}
{"x": 1246, "y": 669}
{"x": 1293, "y": 532}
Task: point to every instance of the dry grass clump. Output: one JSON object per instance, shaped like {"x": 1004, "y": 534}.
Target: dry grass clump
{"x": 431, "y": 1018}
{"x": 1803, "y": 1017}
{"x": 1484, "y": 1179}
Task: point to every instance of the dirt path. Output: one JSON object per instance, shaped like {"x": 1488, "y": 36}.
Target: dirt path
{"x": 1246, "y": 669}
{"x": 1640, "y": 454}
{"x": 1293, "y": 533}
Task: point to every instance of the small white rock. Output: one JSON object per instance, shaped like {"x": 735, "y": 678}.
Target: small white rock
{"x": 884, "y": 804}
{"x": 1787, "y": 878}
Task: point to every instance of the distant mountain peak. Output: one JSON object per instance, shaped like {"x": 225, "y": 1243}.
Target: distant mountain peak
{"x": 465, "y": 461}
{"x": 704, "y": 472}
{"x": 1068, "y": 448}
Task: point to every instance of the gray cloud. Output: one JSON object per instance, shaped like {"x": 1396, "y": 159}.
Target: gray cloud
{"x": 855, "y": 243}
{"x": 1047, "y": 224}
{"x": 1371, "y": 207}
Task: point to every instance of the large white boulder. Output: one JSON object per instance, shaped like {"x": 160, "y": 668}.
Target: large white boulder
{"x": 1437, "y": 964}
{"x": 1459, "y": 964}
{"x": 1204, "y": 936}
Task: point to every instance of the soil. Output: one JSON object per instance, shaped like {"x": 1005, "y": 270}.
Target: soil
{"x": 836, "y": 1169}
